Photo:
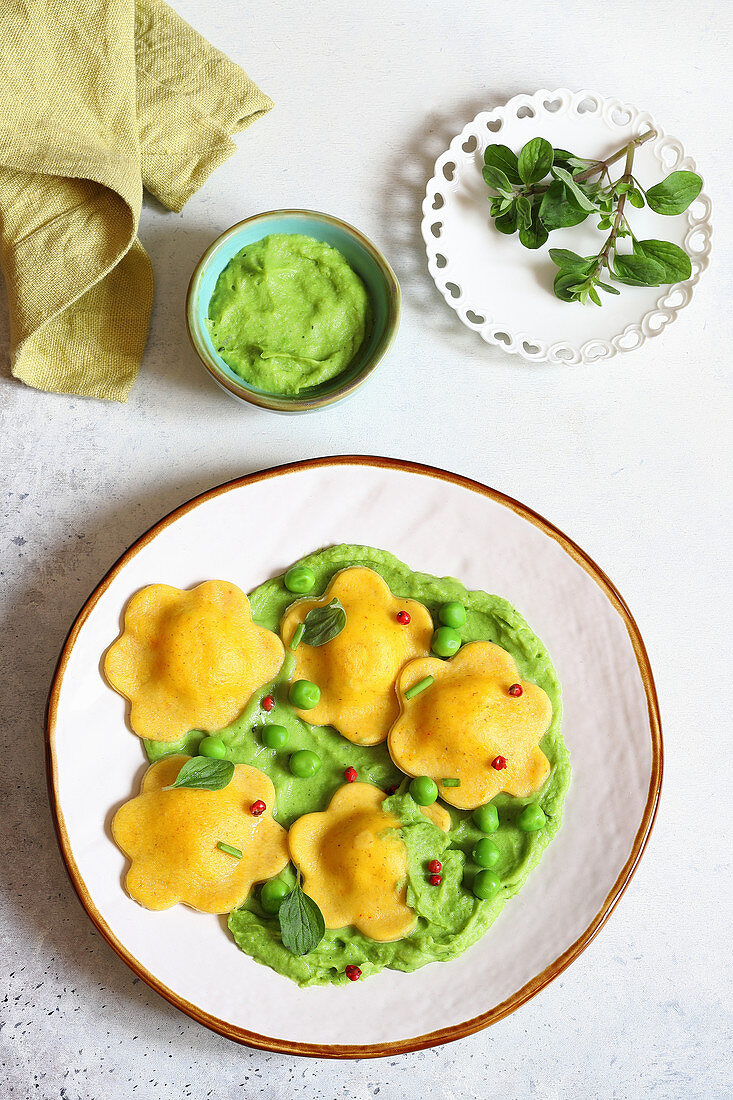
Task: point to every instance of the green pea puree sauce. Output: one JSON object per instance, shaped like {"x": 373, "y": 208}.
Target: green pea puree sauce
{"x": 288, "y": 313}
{"x": 450, "y": 917}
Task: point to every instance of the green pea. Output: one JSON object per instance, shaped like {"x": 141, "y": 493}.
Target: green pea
{"x": 446, "y": 641}
{"x": 424, "y": 790}
{"x": 486, "y": 853}
{"x": 213, "y": 747}
{"x": 452, "y": 614}
{"x": 273, "y": 894}
{"x": 304, "y": 694}
{"x": 486, "y": 818}
{"x": 305, "y": 763}
{"x": 299, "y": 579}
{"x": 486, "y": 884}
{"x": 532, "y": 818}
{"x": 274, "y": 737}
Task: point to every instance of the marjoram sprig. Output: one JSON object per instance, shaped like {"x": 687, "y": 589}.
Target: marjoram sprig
{"x": 543, "y": 189}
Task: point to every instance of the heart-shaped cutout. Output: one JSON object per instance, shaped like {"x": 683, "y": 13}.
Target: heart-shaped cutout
{"x": 629, "y": 341}
{"x": 697, "y": 241}
{"x": 700, "y": 209}
{"x": 676, "y": 299}
{"x": 621, "y": 116}
{"x": 656, "y": 321}
{"x": 672, "y": 154}
{"x": 594, "y": 352}
{"x": 588, "y": 106}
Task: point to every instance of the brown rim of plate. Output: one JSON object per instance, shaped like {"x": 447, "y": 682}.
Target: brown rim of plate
{"x": 276, "y": 402}
{"x": 442, "y": 1035}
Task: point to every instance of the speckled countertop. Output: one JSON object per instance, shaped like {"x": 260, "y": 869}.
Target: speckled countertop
{"x": 628, "y": 458}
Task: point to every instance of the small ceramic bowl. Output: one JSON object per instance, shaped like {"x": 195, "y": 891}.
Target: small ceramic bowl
{"x": 365, "y": 259}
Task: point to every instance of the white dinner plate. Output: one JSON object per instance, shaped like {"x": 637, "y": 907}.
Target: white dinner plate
{"x": 253, "y": 528}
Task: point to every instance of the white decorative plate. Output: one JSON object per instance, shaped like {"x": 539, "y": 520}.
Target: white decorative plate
{"x": 504, "y": 291}
{"x": 253, "y": 528}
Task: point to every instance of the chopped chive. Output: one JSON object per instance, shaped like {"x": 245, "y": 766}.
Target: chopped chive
{"x": 450, "y": 782}
{"x": 299, "y": 632}
{"x": 418, "y": 687}
{"x": 227, "y": 848}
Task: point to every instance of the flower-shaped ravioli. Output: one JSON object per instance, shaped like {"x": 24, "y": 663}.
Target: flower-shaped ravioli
{"x": 354, "y": 863}
{"x": 190, "y": 659}
{"x": 170, "y": 838}
{"x": 356, "y": 670}
{"x": 466, "y": 719}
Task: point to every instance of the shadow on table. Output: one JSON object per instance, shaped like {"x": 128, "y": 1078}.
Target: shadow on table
{"x": 402, "y": 215}
{"x": 170, "y": 362}
{"x": 53, "y": 935}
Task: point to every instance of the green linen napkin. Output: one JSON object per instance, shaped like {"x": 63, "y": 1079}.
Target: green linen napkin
{"x": 99, "y": 98}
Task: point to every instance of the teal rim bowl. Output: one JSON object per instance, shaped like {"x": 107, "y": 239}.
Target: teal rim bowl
{"x": 365, "y": 259}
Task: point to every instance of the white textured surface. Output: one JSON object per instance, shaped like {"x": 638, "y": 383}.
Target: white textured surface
{"x": 443, "y": 529}
{"x": 629, "y": 457}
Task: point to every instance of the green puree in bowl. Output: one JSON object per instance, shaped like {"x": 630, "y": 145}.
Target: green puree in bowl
{"x": 450, "y": 917}
{"x": 288, "y": 313}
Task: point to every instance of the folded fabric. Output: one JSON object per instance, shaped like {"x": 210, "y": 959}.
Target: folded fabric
{"x": 97, "y": 99}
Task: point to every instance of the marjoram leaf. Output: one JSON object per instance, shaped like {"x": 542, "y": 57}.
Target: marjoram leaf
{"x": 557, "y": 211}
{"x": 203, "y": 774}
{"x": 507, "y": 223}
{"x": 302, "y": 926}
{"x": 502, "y": 157}
{"x": 534, "y": 235}
{"x": 638, "y": 270}
{"x": 673, "y": 260}
{"x": 497, "y": 180}
{"x": 535, "y": 161}
{"x": 565, "y": 283}
{"x": 579, "y": 196}
{"x": 675, "y": 193}
{"x": 323, "y": 624}
{"x": 524, "y": 212}
{"x": 571, "y": 261}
